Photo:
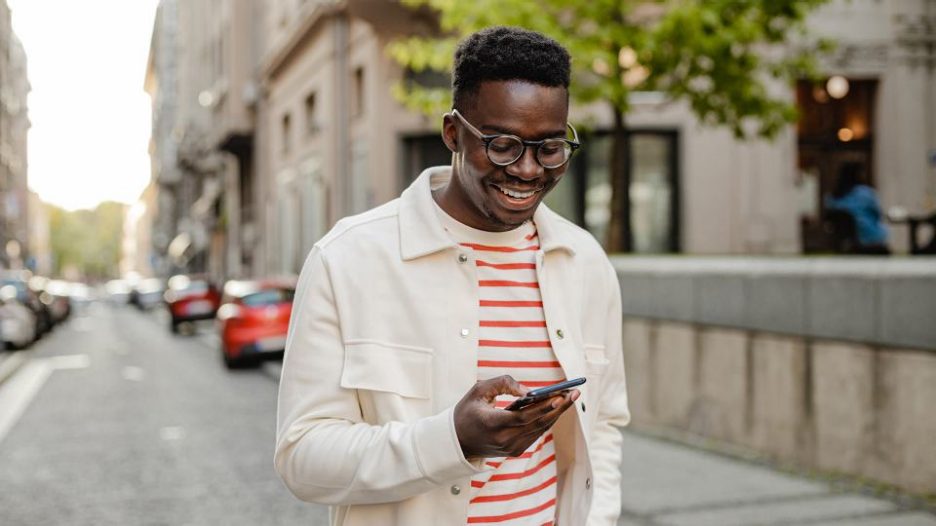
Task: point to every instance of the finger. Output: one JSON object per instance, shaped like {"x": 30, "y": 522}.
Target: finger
{"x": 538, "y": 409}
{"x": 541, "y": 408}
{"x": 554, "y": 409}
{"x": 500, "y": 385}
{"x": 572, "y": 395}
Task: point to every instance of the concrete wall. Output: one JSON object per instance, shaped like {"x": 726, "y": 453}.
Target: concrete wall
{"x": 883, "y": 301}
{"x": 796, "y": 378}
{"x": 834, "y": 406}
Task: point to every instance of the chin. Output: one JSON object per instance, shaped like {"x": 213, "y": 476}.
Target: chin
{"x": 512, "y": 221}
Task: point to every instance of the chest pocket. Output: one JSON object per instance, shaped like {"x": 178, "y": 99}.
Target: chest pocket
{"x": 377, "y": 366}
{"x": 596, "y": 360}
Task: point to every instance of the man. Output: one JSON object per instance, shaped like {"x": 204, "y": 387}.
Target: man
{"x": 417, "y": 322}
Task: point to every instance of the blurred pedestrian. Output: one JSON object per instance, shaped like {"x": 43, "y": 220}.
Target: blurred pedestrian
{"x": 417, "y": 322}
{"x": 852, "y": 196}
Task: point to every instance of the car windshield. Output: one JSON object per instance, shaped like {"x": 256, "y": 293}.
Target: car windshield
{"x": 188, "y": 285}
{"x": 268, "y": 297}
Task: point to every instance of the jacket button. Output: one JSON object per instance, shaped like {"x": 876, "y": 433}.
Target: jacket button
{"x": 560, "y": 334}
{"x": 464, "y": 333}
{"x": 462, "y": 258}
{"x": 583, "y": 407}
{"x": 455, "y": 490}
{"x": 587, "y": 483}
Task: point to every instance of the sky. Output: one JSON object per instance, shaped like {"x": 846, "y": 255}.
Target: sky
{"x": 90, "y": 116}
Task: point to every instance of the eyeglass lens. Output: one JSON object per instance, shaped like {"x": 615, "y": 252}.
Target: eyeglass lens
{"x": 505, "y": 150}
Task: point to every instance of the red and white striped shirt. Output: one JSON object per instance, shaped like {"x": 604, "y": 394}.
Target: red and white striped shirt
{"x": 512, "y": 339}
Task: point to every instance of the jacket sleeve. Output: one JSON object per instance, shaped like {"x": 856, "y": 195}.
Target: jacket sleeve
{"x": 325, "y": 452}
{"x": 605, "y": 446}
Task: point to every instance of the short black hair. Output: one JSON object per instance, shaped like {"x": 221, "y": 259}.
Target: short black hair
{"x": 507, "y": 53}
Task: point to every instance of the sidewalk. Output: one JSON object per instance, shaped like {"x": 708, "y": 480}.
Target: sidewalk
{"x": 672, "y": 484}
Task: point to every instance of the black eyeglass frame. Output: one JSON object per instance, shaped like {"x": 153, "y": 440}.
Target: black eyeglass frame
{"x": 487, "y": 139}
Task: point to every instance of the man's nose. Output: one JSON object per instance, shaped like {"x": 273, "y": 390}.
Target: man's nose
{"x": 526, "y": 167}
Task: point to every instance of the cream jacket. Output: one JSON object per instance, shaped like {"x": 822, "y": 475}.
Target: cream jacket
{"x": 382, "y": 346}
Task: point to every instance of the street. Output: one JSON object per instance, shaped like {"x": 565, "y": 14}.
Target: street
{"x": 151, "y": 430}
{"x": 113, "y": 420}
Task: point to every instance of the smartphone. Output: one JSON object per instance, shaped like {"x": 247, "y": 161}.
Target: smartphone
{"x": 544, "y": 392}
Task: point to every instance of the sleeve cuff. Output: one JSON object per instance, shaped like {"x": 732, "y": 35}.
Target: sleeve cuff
{"x": 438, "y": 451}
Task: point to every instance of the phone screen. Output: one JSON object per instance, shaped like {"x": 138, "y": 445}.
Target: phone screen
{"x": 544, "y": 392}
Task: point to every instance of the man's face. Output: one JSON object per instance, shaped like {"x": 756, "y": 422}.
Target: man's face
{"x": 477, "y": 194}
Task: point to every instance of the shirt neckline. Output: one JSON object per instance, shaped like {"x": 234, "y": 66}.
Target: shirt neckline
{"x": 462, "y": 233}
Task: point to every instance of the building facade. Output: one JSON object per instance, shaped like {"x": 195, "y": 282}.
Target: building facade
{"x": 291, "y": 105}
{"x": 200, "y": 76}
{"x": 137, "y": 254}
{"x": 332, "y": 133}
{"x": 14, "y": 125}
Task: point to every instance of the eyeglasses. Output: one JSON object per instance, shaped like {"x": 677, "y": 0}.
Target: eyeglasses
{"x": 504, "y": 150}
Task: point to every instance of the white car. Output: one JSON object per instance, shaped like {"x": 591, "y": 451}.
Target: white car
{"x": 118, "y": 291}
{"x": 18, "y": 323}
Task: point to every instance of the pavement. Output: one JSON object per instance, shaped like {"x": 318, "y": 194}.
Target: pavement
{"x": 104, "y": 422}
{"x": 667, "y": 483}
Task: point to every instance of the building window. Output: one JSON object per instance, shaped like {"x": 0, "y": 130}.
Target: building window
{"x": 421, "y": 152}
{"x": 357, "y": 92}
{"x": 652, "y": 196}
{"x": 835, "y": 127}
{"x": 286, "y": 130}
{"x": 310, "y": 118}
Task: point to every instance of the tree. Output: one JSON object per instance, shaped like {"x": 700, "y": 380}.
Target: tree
{"x": 87, "y": 240}
{"x": 717, "y": 55}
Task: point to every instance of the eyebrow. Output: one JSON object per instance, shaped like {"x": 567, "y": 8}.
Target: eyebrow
{"x": 504, "y": 131}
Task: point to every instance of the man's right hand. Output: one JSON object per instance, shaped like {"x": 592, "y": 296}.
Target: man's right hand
{"x": 484, "y": 431}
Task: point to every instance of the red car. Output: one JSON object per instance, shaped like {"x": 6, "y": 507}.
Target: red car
{"x": 254, "y": 319}
{"x": 191, "y": 298}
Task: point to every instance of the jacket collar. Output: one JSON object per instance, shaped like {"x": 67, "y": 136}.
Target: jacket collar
{"x": 421, "y": 232}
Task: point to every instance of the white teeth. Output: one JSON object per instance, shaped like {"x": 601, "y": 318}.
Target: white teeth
{"x": 515, "y": 194}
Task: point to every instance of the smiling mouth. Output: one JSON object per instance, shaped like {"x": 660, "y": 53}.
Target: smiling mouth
{"x": 516, "y": 194}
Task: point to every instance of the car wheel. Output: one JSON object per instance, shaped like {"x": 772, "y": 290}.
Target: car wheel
{"x": 232, "y": 363}
{"x": 240, "y": 362}
{"x": 174, "y": 326}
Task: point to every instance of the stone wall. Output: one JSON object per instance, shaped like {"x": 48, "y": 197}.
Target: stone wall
{"x": 816, "y": 374}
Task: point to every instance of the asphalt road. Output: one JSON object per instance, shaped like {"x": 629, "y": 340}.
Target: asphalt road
{"x": 133, "y": 425}
{"x": 113, "y": 420}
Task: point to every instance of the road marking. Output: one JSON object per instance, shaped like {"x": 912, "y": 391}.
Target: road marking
{"x": 171, "y": 433}
{"x": 10, "y": 365}
{"x": 18, "y": 392}
{"x": 132, "y": 373}
{"x": 70, "y": 361}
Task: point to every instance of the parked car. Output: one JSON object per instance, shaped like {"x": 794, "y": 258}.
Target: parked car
{"x": 118, "y": 291}
{"x": 191, "y": 298}
{"x": 18, "y": 326}
{"x": 43, "y": 304}
{"x": 148, "y": 293}
{"x": 59, "y": 299}
{"x": 25, "y": 295}
{"x": 80, "y": 295}
{"x": 253, "y": 320}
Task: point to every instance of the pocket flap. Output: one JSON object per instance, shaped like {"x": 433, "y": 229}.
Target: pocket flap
{"x": 378, "y": 366}
{"x": 596, "y": 354}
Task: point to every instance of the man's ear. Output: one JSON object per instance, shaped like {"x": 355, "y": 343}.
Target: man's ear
{"x": 449, "y": 132}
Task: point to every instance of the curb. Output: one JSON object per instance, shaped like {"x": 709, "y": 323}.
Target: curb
{"x": 10, "y": 362}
